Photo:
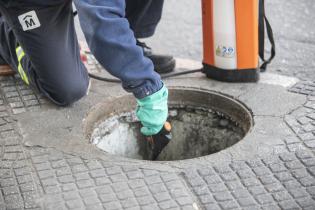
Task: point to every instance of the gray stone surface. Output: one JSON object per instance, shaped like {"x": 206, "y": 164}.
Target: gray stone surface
{"x": 72, "y": 125}
{"x": 72, "y": 182}
{"x": 46, "y": 164}
{"x": 256, "y": 183}
{"x": 37, "y": 177}
{"x": 19, "y": 97}
{"x": 17, "y": 183}
{"x": 304, "y": 87}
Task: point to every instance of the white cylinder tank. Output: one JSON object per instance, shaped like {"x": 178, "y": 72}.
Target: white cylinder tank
{"x": 224, "y": 34}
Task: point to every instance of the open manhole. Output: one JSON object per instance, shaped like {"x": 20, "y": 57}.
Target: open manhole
{"x": 203, "y": 123}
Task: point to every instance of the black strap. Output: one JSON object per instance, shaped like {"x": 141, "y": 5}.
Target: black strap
{"x": 262, "y": 21}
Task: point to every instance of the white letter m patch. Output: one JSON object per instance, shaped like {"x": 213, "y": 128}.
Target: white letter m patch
{"x": 29, "y": 20}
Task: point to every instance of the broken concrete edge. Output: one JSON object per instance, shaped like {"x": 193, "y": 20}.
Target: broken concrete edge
{"x": 101, "y": 111}
{"x": 185, "y": 99}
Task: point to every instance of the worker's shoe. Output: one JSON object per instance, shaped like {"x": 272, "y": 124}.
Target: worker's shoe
{"x": 5, "y": 69}
{"x": 162, "y": 63}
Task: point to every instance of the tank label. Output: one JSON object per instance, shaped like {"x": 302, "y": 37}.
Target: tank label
{"x": 225, "y": 51}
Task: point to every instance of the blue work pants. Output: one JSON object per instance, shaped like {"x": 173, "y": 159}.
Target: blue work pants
{"x": 51, "y": 59}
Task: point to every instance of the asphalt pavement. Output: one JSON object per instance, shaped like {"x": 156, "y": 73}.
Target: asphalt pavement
{"x": 180, "y": 34}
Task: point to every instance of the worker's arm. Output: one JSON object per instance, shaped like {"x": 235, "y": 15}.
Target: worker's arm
{"x": 113, "y": 44}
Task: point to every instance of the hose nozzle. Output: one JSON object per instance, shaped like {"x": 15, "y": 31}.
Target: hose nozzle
{"x": 159, "y": 141}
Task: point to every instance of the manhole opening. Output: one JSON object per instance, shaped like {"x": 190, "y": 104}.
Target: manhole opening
{"x": 198, "y": 129}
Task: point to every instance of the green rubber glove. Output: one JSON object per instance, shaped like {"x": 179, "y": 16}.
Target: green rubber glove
{"x": 152, "y": 111}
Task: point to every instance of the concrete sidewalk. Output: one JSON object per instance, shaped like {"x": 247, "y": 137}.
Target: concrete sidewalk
{"x": 47, "y": 161}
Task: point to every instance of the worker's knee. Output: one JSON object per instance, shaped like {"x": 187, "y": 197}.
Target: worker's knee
{"x": 70, "y": 92}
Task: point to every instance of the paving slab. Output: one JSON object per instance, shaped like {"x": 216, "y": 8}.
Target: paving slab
{"x": 48, "y": 163}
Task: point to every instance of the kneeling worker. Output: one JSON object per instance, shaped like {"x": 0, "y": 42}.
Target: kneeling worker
{"x": 38, "y": 40}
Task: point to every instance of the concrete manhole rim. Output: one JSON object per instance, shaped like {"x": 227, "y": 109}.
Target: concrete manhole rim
{"x": 126, "y": 103}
